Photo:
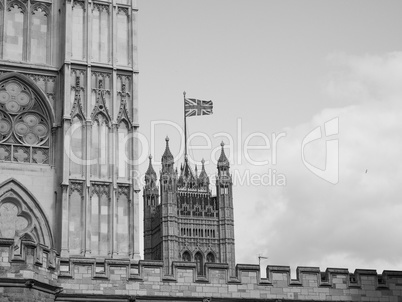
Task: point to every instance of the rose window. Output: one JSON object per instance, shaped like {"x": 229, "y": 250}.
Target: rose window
{"x": 24, "y": 125}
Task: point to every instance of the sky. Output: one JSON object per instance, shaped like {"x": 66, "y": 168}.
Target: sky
{"x": 307, "y": 98}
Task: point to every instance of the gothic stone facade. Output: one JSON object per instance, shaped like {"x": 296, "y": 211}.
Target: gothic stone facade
{"x": 188, "y": 224}
{"x": 69, "y": 221}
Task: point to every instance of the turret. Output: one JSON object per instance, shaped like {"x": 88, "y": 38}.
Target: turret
{"x": 169, "y": 228}
{"x": 151, "y": 201}
{"x": 226, "y": 220}
{"x": 223, "y": 166}
{"x": 151, "y": 189}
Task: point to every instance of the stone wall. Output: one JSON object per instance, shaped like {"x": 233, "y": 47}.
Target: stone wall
{"x": 37, "y": 274}
{"x": 90, "y": 279}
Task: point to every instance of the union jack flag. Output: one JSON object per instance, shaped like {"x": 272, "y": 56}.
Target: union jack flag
{"x": 195, "y": 107}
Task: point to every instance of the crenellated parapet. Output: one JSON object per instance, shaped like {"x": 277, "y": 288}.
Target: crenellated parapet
{"x": 145, "y": 279}
{"x": 41, "y": 272}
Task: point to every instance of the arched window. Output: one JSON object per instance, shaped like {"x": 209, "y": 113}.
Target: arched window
{"x": 27, "y": 31}
{"x": 21, "y": 217}
{"x": 101, "y": 33}
{"x": 39, "y": 42}
{"x": 15, "y": 38}
{"x": 78, "y": 28}
{"x": 100, "y": 209}
{"x": 210, "y": 257}
{"x": 123, "y": 151}
{"x": 122, "y": 220}
{"x": 76, "y": 147}
{"x": 186, "y": 256}
{"x": 24, "y": 125}
{"x": 200, "y": 263}
{"x": 100, "y": 148}
{"x": 123, "y": 36}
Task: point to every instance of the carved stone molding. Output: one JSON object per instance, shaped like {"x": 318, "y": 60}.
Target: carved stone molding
{"x": 123, "y": 10}
{"x": 100, "y": 189}
{"x": 100, "y": 105}
{"x": 76, "y": 186}
{"x": 21, "y": 4}
{"x": 77, "y": 109}
{"x": 123, "y": 190}
{"x": 123, "y": 114}
{"x": 45, "y": 82}
{"x": 101, "y": 7}
{"x": 79, "y": 3}
{"x": 40, "y": 6}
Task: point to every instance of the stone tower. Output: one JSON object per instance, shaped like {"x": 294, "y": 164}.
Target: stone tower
{"x": 188, "y": 223}
{"x": 68, "y": 115}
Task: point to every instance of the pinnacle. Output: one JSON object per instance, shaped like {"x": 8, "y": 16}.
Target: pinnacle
{"x": 223, "y": 160}
{"x": 167, "y": 155}
{"x": 150, "y": 171}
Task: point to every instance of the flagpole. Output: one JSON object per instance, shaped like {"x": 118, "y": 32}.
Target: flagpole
{"x": 185, "y": 126}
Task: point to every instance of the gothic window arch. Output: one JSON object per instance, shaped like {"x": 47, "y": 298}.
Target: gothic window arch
{"x": 100, "y": 220}
{"x": 101, "y": 32}
{"x": 210, "y": 257}
{"x": 123, "y": 36}
{"x": 79, "y": 29}
{"x": 76, "y": 146}
{"x": 199, "y": 260}
{"x": 186, "y": 256}
{"x": 123, "y": 150}
{"x": 39, "y": 42}
{"x": 26, "y": 31}
{"x": 25, "y": 124}
{"x": 21, "y": 217}
{"x": 100, "y": 147}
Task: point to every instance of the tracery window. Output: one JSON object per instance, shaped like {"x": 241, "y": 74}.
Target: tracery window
{"x": 24, "y": 125}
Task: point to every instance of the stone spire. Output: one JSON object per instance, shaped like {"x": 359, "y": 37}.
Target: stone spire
{"x": 167, "y": 155}
{"x": 150, "y": 172}
{"x": 167, "y": 158}
{"x": 187, "y": 175}
{"x": 223, "y": 160}
{"x": 203, "y": 177}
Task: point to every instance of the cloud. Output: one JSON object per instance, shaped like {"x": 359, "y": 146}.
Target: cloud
{"x": 355, "y": 223}
{"x": 365, "y": 78}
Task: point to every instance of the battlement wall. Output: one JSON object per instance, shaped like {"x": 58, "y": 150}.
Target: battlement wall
{"x": 42, "y": 275}
{"x": 90, "y": 278}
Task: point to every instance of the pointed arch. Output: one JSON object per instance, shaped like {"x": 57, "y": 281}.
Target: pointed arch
{"x": 100, "y": 146}
{"x": 186, "y": 256}
{"x": 17, "y": 3}
{"x": 123, "y": 149}
{"x": 14, "y": 194}
{"x": 41, "y": 96}
{"x": 40, "y": 6}
{"x": 199, "y": 260}
{"x": 211, "y": 258}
